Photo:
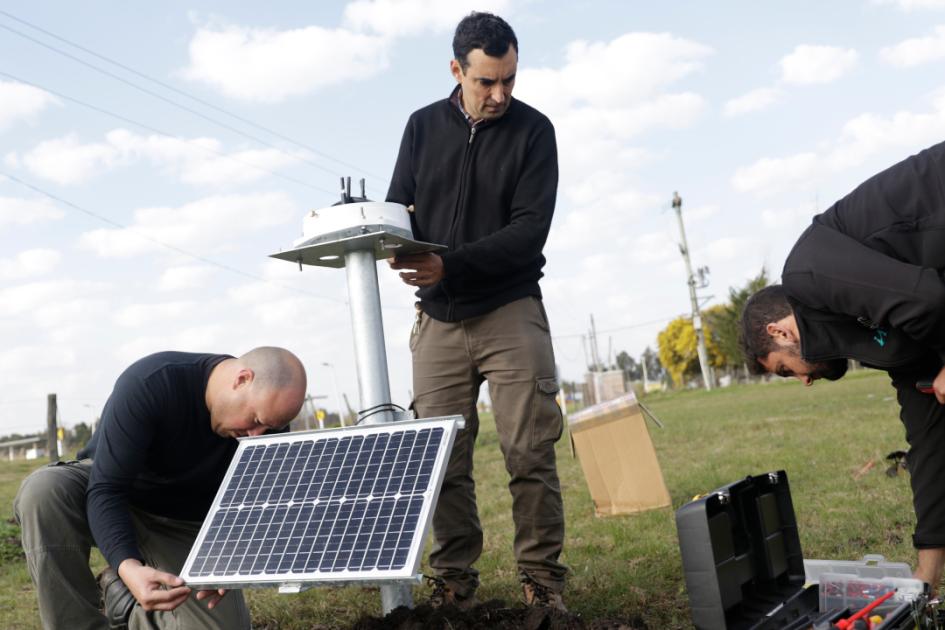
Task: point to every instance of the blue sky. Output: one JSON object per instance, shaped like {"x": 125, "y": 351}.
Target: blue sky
{"x": 759, "y": 114}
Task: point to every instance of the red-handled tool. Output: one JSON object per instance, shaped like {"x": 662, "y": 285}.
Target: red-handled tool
{"x": 925, "y": 387}
{"x": 844, "y": 624}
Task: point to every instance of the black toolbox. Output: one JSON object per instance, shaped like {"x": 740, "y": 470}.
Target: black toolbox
{"x": 743, "y": 564}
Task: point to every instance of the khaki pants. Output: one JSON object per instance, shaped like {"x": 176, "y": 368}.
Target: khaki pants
{"x": 50, "y": 508}
{"x": 511, "y": 349}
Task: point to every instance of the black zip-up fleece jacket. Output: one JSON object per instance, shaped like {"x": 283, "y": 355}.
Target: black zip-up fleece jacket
{"x": 486, "y": 192}
{"x": 877, "y": 256}
{"x": 871, "y": 266}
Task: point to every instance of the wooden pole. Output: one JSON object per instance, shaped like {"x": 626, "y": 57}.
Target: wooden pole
{"x": 51, "y": 430}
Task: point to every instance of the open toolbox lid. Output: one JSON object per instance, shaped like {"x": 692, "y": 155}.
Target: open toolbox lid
{"x": 742, "y": 556}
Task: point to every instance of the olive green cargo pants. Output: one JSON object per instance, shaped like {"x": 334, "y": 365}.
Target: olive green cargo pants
{"x": 510, "y": 348}
{"x": 50, "y": 508}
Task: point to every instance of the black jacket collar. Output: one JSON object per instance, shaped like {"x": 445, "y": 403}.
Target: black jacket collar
{"x": 826, "y": 336}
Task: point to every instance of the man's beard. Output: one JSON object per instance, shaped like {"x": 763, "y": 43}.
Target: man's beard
{"x": 832, "y": 370}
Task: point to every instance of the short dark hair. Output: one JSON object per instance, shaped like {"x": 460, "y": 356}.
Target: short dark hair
{"x": 770, "y": 304}
{"x": 482, "y": 30}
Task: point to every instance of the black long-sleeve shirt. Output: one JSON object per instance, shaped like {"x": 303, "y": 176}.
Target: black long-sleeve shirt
{"x": 154, "y": 449}
{"x": 488, "y": 194}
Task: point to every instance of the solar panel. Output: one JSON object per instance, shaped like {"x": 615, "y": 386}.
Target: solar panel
{"x": 340, "y": 505}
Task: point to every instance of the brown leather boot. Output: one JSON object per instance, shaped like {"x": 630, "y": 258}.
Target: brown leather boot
{"x": 443, "y": 595}
{"x": 541, "y": 596}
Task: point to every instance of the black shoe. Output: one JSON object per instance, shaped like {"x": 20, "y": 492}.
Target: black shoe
{"x": 117, "y": 600}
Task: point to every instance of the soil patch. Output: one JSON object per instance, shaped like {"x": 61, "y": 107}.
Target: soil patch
{"x": 491, "y": 615}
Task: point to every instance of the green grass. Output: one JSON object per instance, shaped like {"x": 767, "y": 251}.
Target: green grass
{"x": 629, "y": 566}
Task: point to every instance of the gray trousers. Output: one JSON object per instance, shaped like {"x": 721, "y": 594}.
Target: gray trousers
{"x": 50, "y": 508}
{"x": 510, "y": 348}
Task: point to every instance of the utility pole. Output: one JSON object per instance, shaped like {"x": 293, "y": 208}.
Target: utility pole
{"x": 691, "y": 281}
{"x": 52, "y": 433}
{"x": 646, "y": 376}
{"x": 596, "y": 367}
{"x": 595, "y": 355}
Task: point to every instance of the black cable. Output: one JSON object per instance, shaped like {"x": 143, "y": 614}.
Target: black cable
{"x": 173, "y": 248}
{"x": 364, "y": 414}
{"x": 169, "y": 101}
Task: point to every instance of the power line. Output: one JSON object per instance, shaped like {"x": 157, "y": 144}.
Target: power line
{"x": 170, "y": 101}
{"x": 188, "y": 95}
{"x": 164, "y": 133}
{"x": 164, "y": 244}
{"x": 619, "y": 328}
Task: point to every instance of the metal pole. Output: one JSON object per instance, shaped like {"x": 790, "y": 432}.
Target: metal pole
{"x": 52, "y": 445}
{"x": 691, "y": 281}
{"x": 364, "y": 300}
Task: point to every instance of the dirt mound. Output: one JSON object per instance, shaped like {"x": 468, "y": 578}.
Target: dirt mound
{"x": 491, "y": 615}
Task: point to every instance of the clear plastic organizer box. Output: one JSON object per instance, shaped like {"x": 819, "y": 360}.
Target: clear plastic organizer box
{"x": 871, "y": 566}
{"x": 841, "y": 590}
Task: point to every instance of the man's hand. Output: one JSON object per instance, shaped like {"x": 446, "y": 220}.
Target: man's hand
{"x": 214, "y": 597}
{"x": 938, "y": 386}
{"x": 148, "y": 586}
{"x": 929, "y": 569}
{"x": 425, "y": 269}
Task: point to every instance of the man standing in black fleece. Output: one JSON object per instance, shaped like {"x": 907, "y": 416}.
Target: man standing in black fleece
{"x": 865, "y": 281}
{"x": 479, "y": 171}
{"x": 144, "y": 484}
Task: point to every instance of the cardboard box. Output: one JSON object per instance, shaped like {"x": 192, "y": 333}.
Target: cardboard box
{"x": 612, "y": 441}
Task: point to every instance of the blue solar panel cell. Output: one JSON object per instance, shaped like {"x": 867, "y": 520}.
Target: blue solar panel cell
{"x": 321, "y": 504}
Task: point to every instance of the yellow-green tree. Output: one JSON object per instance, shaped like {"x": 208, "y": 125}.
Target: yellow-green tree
{"x": 677, "y": 348}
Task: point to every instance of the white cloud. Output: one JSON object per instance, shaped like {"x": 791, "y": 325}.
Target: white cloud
{"x": 199, "y": 161}
{"x": 152, "y": 315}
{"x": 632, "y": 69}
{"x": 55, "y": 303}
{"x": 771, "y": 175}
{"x": 67, "y": 161}
{"x": 817, "y": 64}
{"x": 205, "y": 338}
{"x": 29, "y": 263}
{"x": 601, "y": 204}
{"x": 654, "y": 247}
{"x": 17, "y": 211}
{"x": 208, "y": 223}
{"x": 701, "y": 213}
{"x": 34, "y": 356}
{"x": 726, "y": 248}
{"x": 185, "y": 277}
{"x": 671, "y": 111}
{"x": 912, "y": 5}
{"x": 403, "y": 18}
{"x": 916, "y": 51}
{"x": 21, "y": 102}
{"x": 616, "y": 92}
{"x": 753, "y": 101}
{"x": 861, "y": 138}
{"x": 780, "y": 218}
{"x": 268, "y": 65}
